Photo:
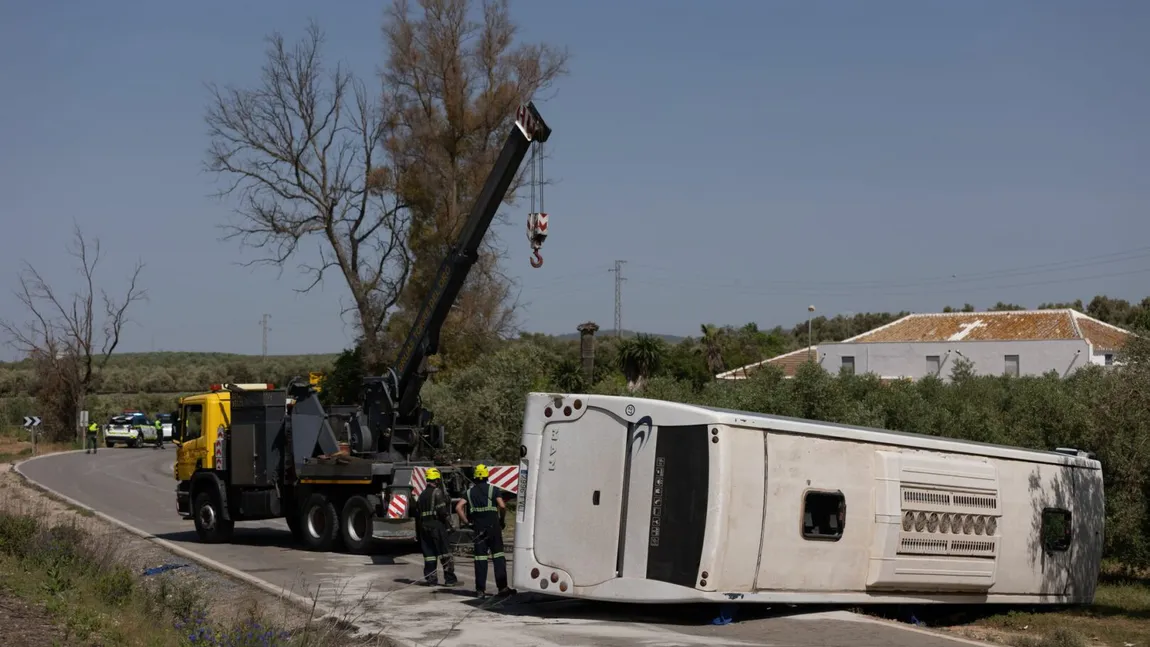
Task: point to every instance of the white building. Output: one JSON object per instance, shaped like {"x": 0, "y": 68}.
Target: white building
{"x": 1031, "y": 342}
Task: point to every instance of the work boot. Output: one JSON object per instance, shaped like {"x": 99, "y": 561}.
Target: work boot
{"x": 450, "y": 580}
{"x": 506, "y": 591}
{"x": 481, "y": 594}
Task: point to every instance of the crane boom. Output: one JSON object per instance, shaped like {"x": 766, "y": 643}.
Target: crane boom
{"x": 279, "y": 453}
{"x": 393, "y": 403}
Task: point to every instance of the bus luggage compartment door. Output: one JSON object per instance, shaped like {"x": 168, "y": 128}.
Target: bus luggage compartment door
{"x": 579, "y": 496}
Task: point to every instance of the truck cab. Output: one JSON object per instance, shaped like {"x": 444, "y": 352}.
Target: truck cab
{"x": 199, "y": 424}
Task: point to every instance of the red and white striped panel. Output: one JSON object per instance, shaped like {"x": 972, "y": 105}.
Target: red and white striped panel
{"x": 505, "y": 477}
{"x": 418, "y": 480}
{"x": 397, "y": 509}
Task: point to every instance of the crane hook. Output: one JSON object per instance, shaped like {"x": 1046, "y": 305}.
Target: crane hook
{"x": 536, "y": 220}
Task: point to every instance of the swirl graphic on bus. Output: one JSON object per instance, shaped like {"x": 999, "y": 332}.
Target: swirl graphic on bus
{"x": 641, "y": 431}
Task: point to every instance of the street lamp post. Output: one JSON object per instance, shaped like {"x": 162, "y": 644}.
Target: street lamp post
{"x": 810, "y": 310}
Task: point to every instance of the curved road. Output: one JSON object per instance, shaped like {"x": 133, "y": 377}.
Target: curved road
{"x": 136, "y": 486}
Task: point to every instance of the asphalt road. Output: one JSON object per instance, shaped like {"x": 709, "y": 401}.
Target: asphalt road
{"x": 136, "y": 486}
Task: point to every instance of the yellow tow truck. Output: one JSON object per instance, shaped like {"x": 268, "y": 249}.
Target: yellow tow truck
{"x": 252, "y": 452}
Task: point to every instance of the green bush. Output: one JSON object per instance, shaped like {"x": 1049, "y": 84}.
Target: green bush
{"x": 1106, "y": 411}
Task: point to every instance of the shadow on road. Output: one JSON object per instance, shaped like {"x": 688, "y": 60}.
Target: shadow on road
{"x": 384, "y": 552}
{"x": 262, "y": 537}
{"x": 540, "y": 606}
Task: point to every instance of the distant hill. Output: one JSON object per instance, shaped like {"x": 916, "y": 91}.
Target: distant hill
{"x": 191, "y": 358}
{"x": 315, "y": 361}
{"x": 610, "y": 332}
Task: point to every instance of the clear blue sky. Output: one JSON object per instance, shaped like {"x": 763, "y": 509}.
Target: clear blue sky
{"x": 746, "y": 158}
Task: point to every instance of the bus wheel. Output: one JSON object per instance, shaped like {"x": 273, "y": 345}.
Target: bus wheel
{"x": 319, "y": 523}
{"x": 210, "y": 524}
{"x": 356, "y": 524}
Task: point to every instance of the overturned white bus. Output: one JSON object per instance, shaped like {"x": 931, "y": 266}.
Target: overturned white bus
{"x": 636, "y": 500}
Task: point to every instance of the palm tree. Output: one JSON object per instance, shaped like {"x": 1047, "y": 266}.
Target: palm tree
{"x": 568, "y": 376}
{"x": 710, "y": 346}
{"x": 640, "y": 357}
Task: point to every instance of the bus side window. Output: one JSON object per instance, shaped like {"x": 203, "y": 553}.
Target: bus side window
{"x": 824, "y": 515}
{"x": 192, "y": 419}
{"x": 1055, "y": 529}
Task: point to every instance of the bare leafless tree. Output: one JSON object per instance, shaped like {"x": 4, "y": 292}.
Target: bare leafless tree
{"x": 303, "y": 153}
{"x": 451, "y": 87}
{"x": 70, "y": 338}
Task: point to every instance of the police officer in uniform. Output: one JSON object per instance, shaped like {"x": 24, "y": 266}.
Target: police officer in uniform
{"x": 90, "y": 445}
{"x": 159, "y": 434}
{"x": 431, "y": 525}
{"x": 482, "y": 505}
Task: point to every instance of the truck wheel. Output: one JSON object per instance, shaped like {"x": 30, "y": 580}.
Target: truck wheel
{"x": 319, "y": 523}
{"x": 356, "y": 524}
{"x": 210, "y": 524}
{"x": 109, "y": 444}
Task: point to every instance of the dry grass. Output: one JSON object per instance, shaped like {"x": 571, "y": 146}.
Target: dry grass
{"x": 1119, "y": 617}
{"x": 15, "y": 446}
{"x": 97, "y": 594}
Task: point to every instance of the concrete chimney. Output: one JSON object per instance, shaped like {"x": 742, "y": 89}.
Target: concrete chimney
{"x": 587, "y": 350}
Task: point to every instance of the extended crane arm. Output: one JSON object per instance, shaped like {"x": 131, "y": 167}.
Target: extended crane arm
{"x": 423, "y": 339}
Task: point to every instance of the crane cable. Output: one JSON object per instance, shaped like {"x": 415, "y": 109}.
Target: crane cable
{"x": 537, "y": 219}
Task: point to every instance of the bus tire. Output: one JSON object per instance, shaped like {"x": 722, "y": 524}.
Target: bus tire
{"x": 319, "y": 523}
{"x": 211, "y": 526}
{"x": 355, "y": 524}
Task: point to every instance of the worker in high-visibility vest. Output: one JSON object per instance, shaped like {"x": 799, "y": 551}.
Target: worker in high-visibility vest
{"x": 90, "y": 445}
{"x": 159, "y": 434}
{"x": 431, "y": 526}
{"x": 482, "y": 506}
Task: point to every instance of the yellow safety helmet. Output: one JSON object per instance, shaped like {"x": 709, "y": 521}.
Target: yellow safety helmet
{"x": 432, "y": 474}
{"x": 480, "y": 471}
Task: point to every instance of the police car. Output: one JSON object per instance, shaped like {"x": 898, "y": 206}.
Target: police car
{"x": 130, "y": 428}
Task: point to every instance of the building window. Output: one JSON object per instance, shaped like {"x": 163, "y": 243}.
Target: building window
{"x": 824, "y": 515}
{"x": 1055, "y": 529}
{"x": 1012, "y": 365}
{"x": 932, "y": 364}
{"x": 849, "y": 364}
{"x": 1109, "y": 359}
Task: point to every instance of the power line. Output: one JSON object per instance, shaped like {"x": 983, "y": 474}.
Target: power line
{"x": 879, "y": 291}
{"x": 618, "y": 297}
{"x": 952, "y": 279}
{"x": 959, "y": 277}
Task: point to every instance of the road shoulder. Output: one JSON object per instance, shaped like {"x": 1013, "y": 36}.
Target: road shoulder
{"x": 234, "y": 594}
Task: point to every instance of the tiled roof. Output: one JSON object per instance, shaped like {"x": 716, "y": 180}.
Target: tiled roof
{"x": 1101, "y": 335}
{"x": 1025, "y": 325}
{"x": 1021, "y": 325}
{"x": 789, "y": 362}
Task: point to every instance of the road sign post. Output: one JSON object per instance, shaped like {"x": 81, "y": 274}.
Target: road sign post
{"x": 30, "y": 423}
